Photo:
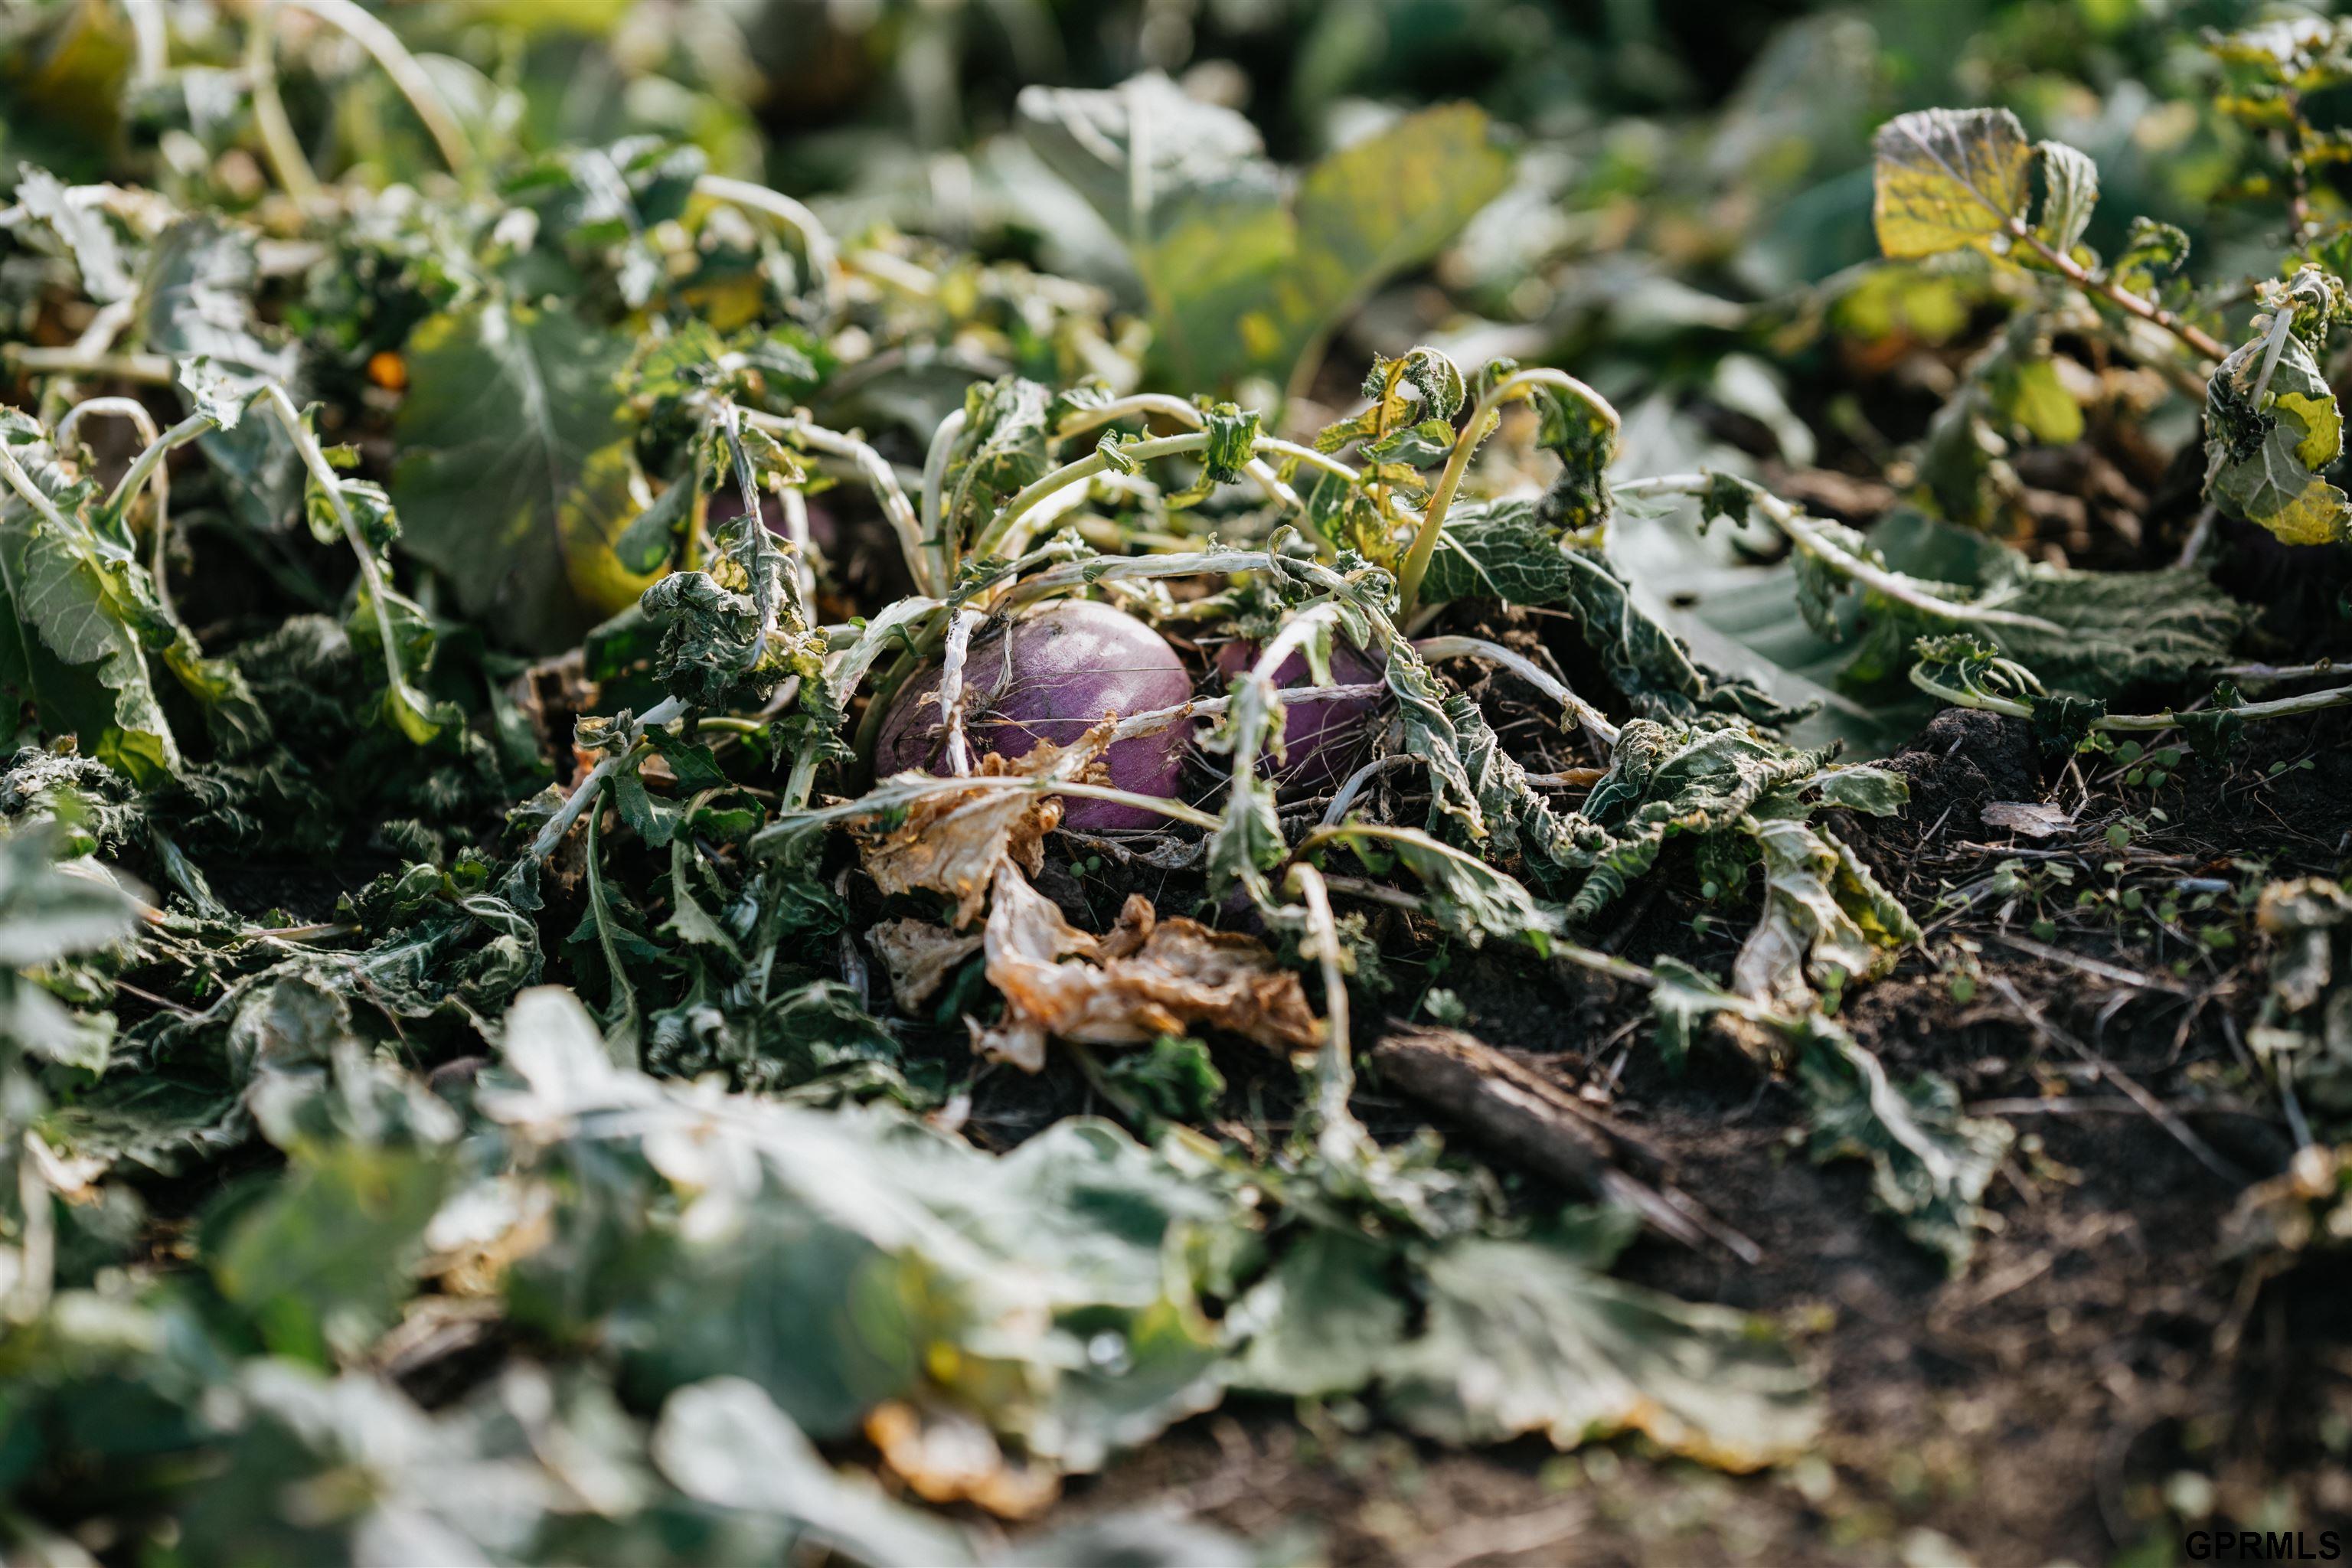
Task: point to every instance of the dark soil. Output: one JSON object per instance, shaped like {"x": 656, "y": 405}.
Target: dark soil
{"x": 2096, "y": 1384}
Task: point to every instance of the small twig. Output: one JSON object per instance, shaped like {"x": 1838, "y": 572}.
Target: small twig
{"x": 2157, "y": 1111}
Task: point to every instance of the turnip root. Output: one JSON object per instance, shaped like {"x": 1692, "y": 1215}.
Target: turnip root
{"x": 1051, "y": 676}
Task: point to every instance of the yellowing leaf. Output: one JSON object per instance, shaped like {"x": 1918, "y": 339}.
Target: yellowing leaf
{"x": 507, "y": 406}
{"x": 1945, "y": 179}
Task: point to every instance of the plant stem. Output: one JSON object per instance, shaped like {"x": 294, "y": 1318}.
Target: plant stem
{"x": 1593, "y": 721}
{"x": 878, "y": 474}
{"x": 1337, "y": 1131}
{"x": 150, "y": 461}
{"x": 1801, "y": 532}
{"x": 823, "y": 258}
{"x": 371, "y": 570}
{"x": 155, "y": 369}
{"x": 2123, "y": 299}
{"x": 2135, "y": 724}
{"x": 415, "y": 84}
{"x": 1457, "y": 463}
{"x": 663, "y": 712}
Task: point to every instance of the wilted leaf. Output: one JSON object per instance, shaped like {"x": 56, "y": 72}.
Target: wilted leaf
{"x": 953, "y": 841}
{"x": 1529, "y": 1336}
{"x": 2070, "y": 191}
{"x": 918, "y": 957}
{"x": 1930, "y": 1162}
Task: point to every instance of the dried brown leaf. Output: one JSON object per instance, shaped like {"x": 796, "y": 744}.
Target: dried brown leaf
{"x": 947, "y": 1456}
{"x": 1145, "y": 977}
{"x": 952, "y": 841}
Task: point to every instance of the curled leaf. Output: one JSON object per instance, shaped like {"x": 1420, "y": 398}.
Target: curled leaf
{"x": 953, "y": 841}
{"x": 1146, "y": 978}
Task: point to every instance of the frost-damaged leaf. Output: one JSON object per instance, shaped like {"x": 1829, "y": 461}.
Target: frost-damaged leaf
{"x": 1006, "y": 444}
{"x": 67, "y": 645}
{"x": 1930, "y": 1163}
{"x": 46, "y": 914}
{"x": 196, "y": 301}
{"x": 2096, "y": 631}
{"x": 843, "y": 1258}
{"x": 1144, "y": 978}
{"x": 1664, "y": 782}
{"x": 513, "y": 473}
{"x": 1531, "y": 1336}
{"x": 82, "y": 229}
{"x": 1826, "y": 918}
{"x": 952, "y": 841}
{"x": 2267, "y": 455}
{"x": 1505, "y": 550}
{"x": 1945, "y": 178}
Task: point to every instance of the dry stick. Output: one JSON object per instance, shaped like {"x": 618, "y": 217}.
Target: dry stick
{"x": 2157, "y": 1111}
{"x": 1533, "y": 1123}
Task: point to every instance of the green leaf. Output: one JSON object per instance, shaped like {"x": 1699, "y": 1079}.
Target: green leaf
{"x": 724, "y": 1444}
{"x": 1238, "y": 276}
{"x": 514, "y": 472}
{"x": 1324, "y": 1319}
{"x": 1531, "y": 1336}
{"x": 196, "y": 302}
{"x": 1946, "y": 179}
{"x": 2070, "y": 182}
{"x": 1383, "y": 205}
{"x": 84, "y": 231}
{"x": 323, "y": 1261}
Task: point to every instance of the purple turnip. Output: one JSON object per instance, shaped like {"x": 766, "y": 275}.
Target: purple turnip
{"x": 1320, "y": 741}
{"x": 1051, "y": 676}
